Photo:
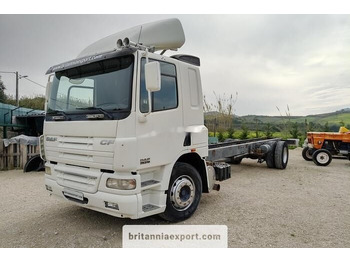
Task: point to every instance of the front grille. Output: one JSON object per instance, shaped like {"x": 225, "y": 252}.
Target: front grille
{"x": 80, "y": 151}
{"x": 82, "y": 143}
{"x": 83, "y": 179}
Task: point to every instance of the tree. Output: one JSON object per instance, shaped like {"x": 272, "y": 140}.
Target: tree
{"x": 3, "y": 96}
{"x": 326, "y": 127}
{"x": 225, "y": 107}
{"x": 257, "y": 130}
{"x": 286, "y": 124}
{"x": 311, "y": 127}
{"x": 221, "y": 137}
{"x": 219, "y": 116}
{"x": 244, "y": 134}
{"x": 294, "y": 131}
{"x": 231, "y": 132}
{"x": 268, "y": 131}
{"x": 37, "y": 102}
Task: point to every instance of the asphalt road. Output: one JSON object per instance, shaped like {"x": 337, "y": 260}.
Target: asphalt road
{"x": 302, "y": 206}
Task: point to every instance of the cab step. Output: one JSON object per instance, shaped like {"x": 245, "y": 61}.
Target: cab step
{"x": 149, "y": 184}
{"x": 149, "y": 207}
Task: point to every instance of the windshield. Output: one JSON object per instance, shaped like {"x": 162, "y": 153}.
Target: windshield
{"x": 100, "y": 86}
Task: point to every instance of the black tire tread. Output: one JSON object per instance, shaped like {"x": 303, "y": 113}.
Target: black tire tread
{"x": 270, "y": 157}
{"x": 279, "y": 150}
{"x": 171, "y": 214}
{"x": 304, "y": 154}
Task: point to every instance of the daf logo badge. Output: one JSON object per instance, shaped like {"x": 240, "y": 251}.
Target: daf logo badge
{"x": 106, "y": 142}
{"x": 51, "y": 139}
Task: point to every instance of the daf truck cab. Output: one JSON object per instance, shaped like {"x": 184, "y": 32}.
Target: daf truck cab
{"x": 124, "y": 132}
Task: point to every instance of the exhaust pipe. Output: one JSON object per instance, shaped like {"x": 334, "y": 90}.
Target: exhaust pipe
{"x": 216, "y": 187}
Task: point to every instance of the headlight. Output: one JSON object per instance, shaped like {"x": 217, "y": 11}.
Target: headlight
{"x": 123, "y": 184}
{"x": 42, "y": 147}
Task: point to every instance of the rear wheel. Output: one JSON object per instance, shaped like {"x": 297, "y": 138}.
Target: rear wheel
{"x": 281, "y": 155}
{"x": 322, "y": 157}
{"x": 270, "y": 157}
{"x": 307, "y": 154}
{"x": 184, "y": 193}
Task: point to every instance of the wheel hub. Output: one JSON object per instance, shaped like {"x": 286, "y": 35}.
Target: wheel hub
{"x": 285, "y": 155}
{"x": 182, "y": 193}
{"x": 308, "y": 154}
{"x": 322, "y": 158}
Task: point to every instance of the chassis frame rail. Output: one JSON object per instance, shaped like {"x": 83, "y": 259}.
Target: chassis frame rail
{"x": 239, "y": 148}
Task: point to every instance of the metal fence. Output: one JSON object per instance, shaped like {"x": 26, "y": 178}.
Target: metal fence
{"x": 7, "y": 112}
{"x": 16, "y": 155}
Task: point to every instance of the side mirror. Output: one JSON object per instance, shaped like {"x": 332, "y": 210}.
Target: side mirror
{"x": 152, "y": 76}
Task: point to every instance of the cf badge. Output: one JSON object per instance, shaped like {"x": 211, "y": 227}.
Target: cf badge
{"x": 106, "y": 142}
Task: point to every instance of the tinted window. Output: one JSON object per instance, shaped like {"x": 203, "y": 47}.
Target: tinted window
{"x": 164, "y": 99}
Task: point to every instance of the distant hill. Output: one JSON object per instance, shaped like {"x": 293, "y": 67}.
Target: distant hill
{"x": 318, "y": 122}
{"x": 333, "y": 118}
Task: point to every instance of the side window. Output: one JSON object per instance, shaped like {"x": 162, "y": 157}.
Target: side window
{"x": 164, "y": 99}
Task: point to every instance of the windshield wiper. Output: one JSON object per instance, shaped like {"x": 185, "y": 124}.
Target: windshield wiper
{"x": 104, "y": 112}
{"x": 61, "y": 115}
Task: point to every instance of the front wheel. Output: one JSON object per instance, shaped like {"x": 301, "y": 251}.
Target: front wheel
{"x": 184, "y": 193}
{"x": 322, "y": 157}
{"x": 307, "y": 154}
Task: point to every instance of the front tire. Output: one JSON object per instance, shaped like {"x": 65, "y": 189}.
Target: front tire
{"x": 307, "y": 154}
{"x": 322, "y": 157}
{"x": 184, "y": 193}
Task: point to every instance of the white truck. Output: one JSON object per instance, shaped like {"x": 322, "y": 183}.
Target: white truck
{"x": 124, "y": 129}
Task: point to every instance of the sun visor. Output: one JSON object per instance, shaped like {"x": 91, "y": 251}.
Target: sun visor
{"x": 89, "y": 59}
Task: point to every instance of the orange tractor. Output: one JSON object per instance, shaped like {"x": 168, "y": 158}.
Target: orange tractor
{"x": 321, "y": 146}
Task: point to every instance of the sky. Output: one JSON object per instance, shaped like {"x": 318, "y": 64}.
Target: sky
{"x": 297, "y": 61}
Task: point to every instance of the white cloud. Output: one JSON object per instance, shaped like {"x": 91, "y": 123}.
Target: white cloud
{"x": 270, "y": 60}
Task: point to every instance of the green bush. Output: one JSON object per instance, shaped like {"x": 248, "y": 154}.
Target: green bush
{"x": 245, "y": 132}
{"x": 231, "y": 133}
{"x": 221, "y": 137}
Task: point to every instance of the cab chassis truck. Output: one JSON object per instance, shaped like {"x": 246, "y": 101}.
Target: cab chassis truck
{"x": 124, "y": 128}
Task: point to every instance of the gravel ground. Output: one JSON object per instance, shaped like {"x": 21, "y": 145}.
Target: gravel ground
{"x": 302, "y": 206}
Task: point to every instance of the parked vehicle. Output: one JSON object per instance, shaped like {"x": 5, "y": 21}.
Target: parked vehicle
{"x": 124, "y": 130}
{"x": 321, "y": 146}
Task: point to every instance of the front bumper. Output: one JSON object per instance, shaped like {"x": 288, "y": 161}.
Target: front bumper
{"x": 129, "y": 206}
